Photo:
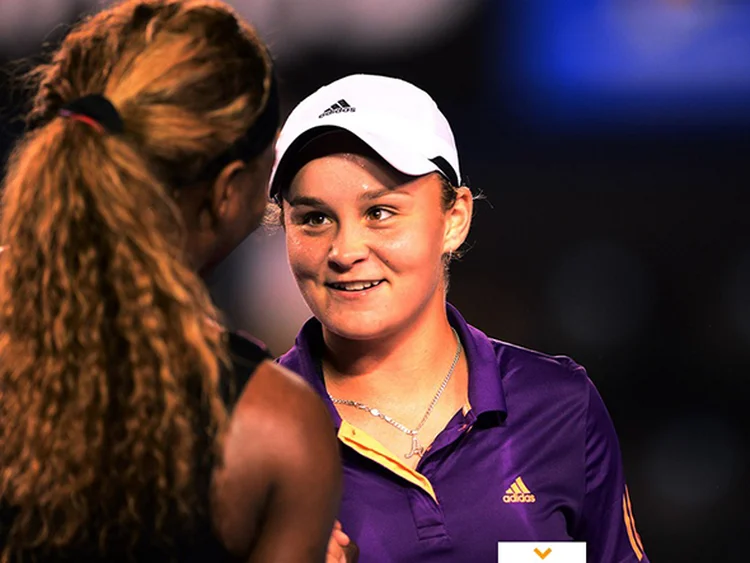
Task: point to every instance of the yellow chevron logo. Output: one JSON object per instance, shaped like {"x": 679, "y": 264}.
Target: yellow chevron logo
{"x": 518, "y": 492}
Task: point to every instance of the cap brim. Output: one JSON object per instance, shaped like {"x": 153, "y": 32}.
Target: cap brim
{"x": 404, "y": 159}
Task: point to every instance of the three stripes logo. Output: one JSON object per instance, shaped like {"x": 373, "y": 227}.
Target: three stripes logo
{"x": 518, "y": 492}
{"x": 339, "y": 107}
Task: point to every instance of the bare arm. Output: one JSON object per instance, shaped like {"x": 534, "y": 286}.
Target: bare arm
{"x": 276, "y": 498}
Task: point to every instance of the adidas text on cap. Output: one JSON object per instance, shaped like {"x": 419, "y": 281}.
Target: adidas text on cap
{"x": 395, "y": 118}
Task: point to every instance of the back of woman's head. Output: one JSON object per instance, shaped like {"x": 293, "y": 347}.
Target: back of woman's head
{"x": 110, "y": 348}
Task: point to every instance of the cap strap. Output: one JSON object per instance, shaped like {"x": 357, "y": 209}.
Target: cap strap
{"x": 446, "y": 169}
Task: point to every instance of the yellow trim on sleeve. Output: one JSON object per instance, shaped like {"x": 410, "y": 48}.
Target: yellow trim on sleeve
{"x": 628, "y": 526}
{"x": 632, "y": 520}
{"x": 369, "y": 447}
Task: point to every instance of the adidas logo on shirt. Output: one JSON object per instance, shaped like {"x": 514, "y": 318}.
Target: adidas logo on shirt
{"x": 339, "y": 107}
{"x": 518, "y": 492}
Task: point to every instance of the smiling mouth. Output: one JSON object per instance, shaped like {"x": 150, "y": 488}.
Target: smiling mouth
{"x": 355, "y": 286}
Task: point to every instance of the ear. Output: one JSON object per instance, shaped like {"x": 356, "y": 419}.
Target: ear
{"x": 458, "y": 220}
{"x": 224, "y": 191}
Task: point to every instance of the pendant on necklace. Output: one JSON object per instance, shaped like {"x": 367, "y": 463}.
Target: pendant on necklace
{"x": 416, "y": 449}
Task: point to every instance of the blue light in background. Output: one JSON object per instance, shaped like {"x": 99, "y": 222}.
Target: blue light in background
{"x": 631, "y": 61}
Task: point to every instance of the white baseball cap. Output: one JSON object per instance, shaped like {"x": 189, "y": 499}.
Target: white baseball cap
{"x": 396, "y": 119}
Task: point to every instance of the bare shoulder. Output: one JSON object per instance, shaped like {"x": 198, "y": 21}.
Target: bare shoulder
{"x": 280, "y": 444}
{"x": 275, "y": 388}
{"x": 279, "y": 408}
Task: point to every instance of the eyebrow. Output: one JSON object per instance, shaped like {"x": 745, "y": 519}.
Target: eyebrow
{"x": 305, "y": 200}
{"x": 380, "y": 192}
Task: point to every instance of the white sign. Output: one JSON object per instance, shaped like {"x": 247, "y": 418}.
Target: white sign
{"x": 541, "y": 552}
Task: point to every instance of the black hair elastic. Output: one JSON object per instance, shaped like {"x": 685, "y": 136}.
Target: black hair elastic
{"x": 94, "y": 110}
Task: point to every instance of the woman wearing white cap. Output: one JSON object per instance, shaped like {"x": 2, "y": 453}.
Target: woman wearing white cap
{"x": 451, "y": 441}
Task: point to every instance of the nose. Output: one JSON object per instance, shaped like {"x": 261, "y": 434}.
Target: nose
{"x": 348, "y": 247}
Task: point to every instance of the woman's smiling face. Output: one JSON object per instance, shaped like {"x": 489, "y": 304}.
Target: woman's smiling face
{"x": 366, "y": 243}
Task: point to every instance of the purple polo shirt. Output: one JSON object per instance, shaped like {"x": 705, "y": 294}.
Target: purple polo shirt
{"x": 532, "y": 457}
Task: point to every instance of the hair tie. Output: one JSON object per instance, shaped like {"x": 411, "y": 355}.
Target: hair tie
{"x": 94, "y": 110}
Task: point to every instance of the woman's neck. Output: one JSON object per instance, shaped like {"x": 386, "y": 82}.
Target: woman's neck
{"x": 411, "y": 360}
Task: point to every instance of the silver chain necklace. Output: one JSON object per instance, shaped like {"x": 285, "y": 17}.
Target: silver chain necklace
{"x": 416, "y": 448}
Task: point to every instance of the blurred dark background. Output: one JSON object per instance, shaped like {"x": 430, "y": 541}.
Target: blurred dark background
{"x": 610, "y": 140}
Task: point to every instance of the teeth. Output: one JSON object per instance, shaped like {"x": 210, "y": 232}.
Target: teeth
{"x": 355, "y": 286}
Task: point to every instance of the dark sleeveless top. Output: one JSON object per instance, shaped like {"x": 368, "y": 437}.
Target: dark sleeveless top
{"x": 195, "y": 546}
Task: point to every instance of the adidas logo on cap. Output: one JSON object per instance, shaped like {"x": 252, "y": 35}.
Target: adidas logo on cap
{"x": 339, "y": 107}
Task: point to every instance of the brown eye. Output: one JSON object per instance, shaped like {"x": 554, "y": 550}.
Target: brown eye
{"x": 379, "y": 214}
{"x": 315, "y": 219}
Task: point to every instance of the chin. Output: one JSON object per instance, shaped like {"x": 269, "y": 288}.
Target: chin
{"x": 357, "y": 325}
